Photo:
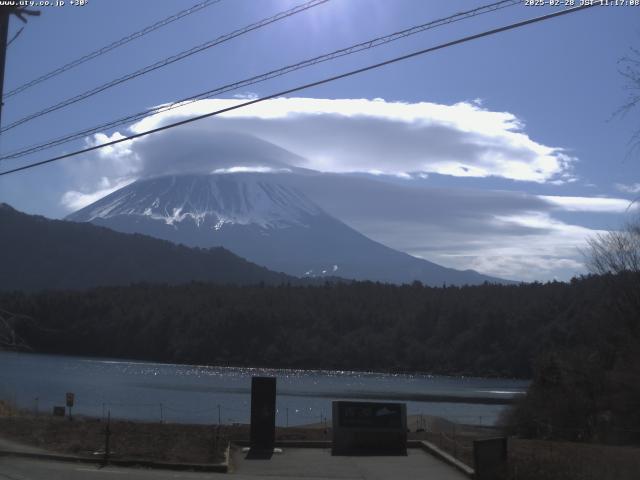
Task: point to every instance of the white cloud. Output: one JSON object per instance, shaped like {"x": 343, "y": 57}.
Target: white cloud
{"x": 590, "y": 204}
{"x": 551, "y": 249}
{"x": 503, "y": 233}
{"x": 243, "y": 169}
{"x": 509, "y": 234}
{"x": 631, "y": 188}
{"x": 118, "y": 151}
{"x": 523, "y": 246}
{"x": 361, "y": 135}
{"x": 246, "y": 95}
{"x": 74, "y": 200}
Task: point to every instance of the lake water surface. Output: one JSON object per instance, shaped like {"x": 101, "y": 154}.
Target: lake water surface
{"x": 199, "y": 394}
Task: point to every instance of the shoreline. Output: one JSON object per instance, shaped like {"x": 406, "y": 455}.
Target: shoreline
{"x": 392, "y": 372}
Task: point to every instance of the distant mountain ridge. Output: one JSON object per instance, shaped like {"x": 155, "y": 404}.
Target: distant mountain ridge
{"x": 38, "y": 253}
{"x": 266, "y": 222}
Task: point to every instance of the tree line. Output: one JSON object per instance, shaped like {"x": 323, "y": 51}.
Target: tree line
{"x": 490, "y": 330}
{"x": 578, "y": 341}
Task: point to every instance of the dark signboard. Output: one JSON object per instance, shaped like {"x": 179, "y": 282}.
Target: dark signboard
{"x": 70, "y": 399}
{"x": 263, "y": 413}
{"x": 370, "y": 415}
{"x": 490, "y": 458}
{"x": 369, "y": 428}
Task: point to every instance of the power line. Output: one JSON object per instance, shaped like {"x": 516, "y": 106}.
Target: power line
{"x": 112, "y": 46}
{"x": 308, "y": 85}
{"x": 369, "y": 44}
{"x": 15, "y": 35}
{"x": 167, "y": 61}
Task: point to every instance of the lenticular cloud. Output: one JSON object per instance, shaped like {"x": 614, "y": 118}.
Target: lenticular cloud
{"x": 397, "y": 138}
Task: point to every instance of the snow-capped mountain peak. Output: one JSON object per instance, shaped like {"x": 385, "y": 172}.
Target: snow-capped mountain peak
{"x": 206, "y": 200}
{"x": 259, "y": 218}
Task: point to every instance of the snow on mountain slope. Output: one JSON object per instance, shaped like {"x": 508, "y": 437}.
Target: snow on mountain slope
{"x": 207, "y": 200}
{"x": 260, "y": 219}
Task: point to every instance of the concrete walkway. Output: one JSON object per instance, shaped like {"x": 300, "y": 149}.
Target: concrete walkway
{"x": 318, "y": 464}
{"x": 293, "y": 463}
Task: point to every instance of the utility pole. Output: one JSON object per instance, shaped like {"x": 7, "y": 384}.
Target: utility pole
{"x": 5, "y": 13}
{"x": 4, "y": 33}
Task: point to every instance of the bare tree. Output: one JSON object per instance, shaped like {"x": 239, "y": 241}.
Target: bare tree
{"x": 629, "y": 68}
{"x": 616, "y": 251}
{"x": 9, "y": 338}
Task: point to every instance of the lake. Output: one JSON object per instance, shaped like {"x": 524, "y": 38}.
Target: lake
{"x": 201, "y": 394}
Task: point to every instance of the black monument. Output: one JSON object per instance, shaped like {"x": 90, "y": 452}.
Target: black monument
{"x": 490, "y": 458}
{"x": 368, "y": 428}
{"x": 263, "y": 417}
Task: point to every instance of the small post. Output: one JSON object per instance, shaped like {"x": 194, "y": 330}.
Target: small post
{"x": 219, "y": 420}
{"x": 287, "y": 416}
{"x": 70, "y": 397}
{"x": 455, "y": 442}
{"x": 107, "y": 434}
{"x": 215, "y": 438}
{"x": 161, "y": 414}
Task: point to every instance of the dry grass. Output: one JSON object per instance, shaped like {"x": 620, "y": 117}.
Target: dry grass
{"x": 455, "y": 439}
{"x": 137, "y": 440}
{"x": 528, "y": 459}
{"x": 540, "y": 459}
{"x": 6, "y": 410}
{"x": 544, "y": 459}
{"x": 131, "y": 440}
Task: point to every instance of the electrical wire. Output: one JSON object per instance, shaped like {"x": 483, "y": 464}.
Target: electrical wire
{"x": 167, "y": 61}
{"x": 308, "y": 85}
{"x": 16, "y": 35}
{"x": 369, "y": 44}
{"x": 112, "y": 46}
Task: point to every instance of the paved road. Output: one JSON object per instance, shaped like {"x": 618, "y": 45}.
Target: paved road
{"x": 11, "y": 446}
{"x": 14, "y": 468}
{"x": 292, "y": 464}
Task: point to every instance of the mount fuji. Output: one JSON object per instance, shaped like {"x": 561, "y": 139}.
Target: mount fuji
{"x": 264, "y": 221}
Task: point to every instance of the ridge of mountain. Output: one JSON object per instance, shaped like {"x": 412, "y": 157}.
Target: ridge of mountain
{"x": 39, "y": 253}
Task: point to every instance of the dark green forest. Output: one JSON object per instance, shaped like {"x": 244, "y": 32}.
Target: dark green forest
{"x": 578, "y": 341}
{"x": 482, "y": 330}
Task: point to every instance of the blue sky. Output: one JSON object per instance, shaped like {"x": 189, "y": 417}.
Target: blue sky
{"x": 549, "y": 89}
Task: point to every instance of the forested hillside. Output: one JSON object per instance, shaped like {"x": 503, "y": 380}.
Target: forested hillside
{"x": 481, "y": 330}
{"x": 37, "y": 253}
